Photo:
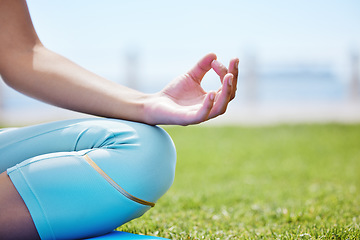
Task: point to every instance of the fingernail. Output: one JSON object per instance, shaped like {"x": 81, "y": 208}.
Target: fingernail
{"x": 217, "y": 63}
{"x": 237, "y": 64}
{"x": 230, "y": 81}
{"x": 212, "y": 96}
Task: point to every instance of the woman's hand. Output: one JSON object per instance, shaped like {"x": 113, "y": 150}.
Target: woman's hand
{"x": 185, "y": 102}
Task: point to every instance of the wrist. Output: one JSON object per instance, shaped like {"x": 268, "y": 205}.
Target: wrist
{"x": 148, "y": 106}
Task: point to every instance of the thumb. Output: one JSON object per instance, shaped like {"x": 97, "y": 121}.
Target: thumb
{"x": 202, "y": 67}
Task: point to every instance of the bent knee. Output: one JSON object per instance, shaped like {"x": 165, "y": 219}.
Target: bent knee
{"x": 142, "y": 160}
{"x": 161, "y": 160}
{"x": 156, "y": 168}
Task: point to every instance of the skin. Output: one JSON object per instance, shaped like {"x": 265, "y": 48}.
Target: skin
{"x": 29, "y": 67}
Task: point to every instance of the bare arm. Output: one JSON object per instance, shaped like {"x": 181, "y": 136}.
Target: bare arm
{"x": 29, "y": 67}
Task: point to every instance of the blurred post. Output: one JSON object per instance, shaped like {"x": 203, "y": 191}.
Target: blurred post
{"x": 354, "y": 81}
{"x": 132, "y": 68}
{"x": 250, "y": 78}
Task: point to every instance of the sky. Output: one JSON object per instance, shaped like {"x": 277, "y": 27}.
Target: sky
{"x": 170, "y": 36}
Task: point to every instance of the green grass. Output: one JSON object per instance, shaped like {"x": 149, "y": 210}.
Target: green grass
{"x": 280, "y": 182}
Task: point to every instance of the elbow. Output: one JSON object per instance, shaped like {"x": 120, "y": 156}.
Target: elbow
{"x": 16, "y": 63}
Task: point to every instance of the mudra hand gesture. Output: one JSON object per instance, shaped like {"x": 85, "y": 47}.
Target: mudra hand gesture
{"x": 185, "y": 102}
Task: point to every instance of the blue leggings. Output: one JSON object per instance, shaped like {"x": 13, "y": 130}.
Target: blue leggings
{"x": 82, "y": 178}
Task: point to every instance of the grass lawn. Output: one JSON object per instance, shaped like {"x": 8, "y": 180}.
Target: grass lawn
{"x": 284, "y": 182}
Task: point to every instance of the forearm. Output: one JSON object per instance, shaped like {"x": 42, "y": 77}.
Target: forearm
{"x": 54, "y": 79}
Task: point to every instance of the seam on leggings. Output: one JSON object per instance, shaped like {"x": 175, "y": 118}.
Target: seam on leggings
{"x": 114, "y": 184}
{"x": 31, "y": 160}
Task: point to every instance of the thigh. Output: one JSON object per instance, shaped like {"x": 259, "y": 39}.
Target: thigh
{"x": 19, "y": 144}
{"x": 86, "y": 177}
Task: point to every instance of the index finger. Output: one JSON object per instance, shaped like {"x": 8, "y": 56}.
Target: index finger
{"x": 220, "y": 69}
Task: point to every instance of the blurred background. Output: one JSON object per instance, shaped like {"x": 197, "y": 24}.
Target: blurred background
{"x": 299, "y": 60}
